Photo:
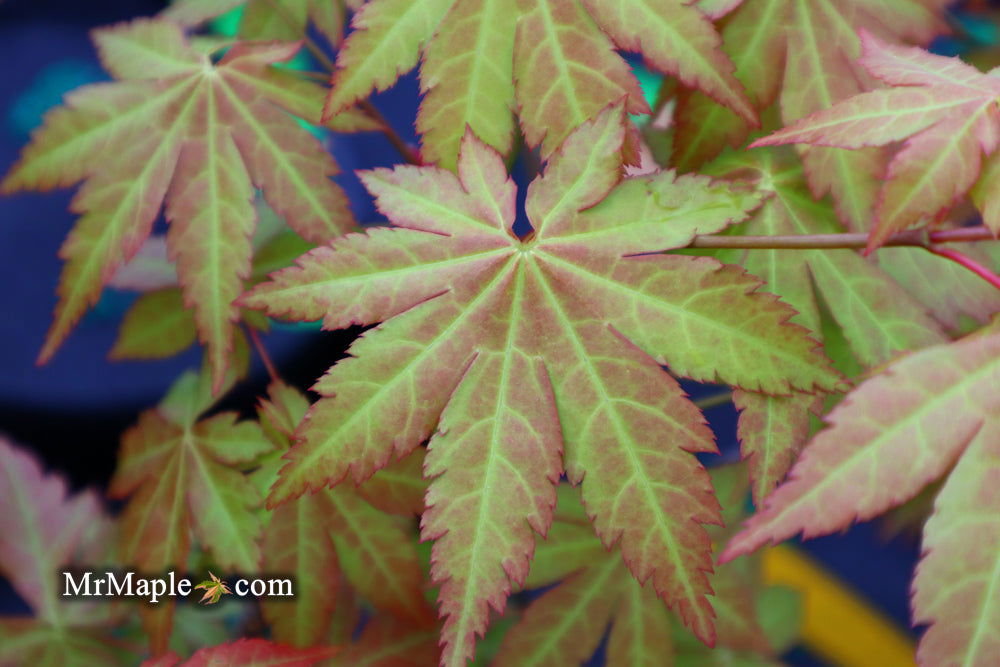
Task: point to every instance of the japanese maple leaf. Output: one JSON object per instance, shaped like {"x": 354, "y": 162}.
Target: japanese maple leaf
{"x": 802, "y": 54}
{"x": 522, "y": 356}
{"x": 43, "y": 531}
{"x": 215, "y": 588}
{"x": 945, "y": 111}
{"x": 176, "y": 128}
{"x": 594, "y": 589}
{"x": 249, "y": 653}
{"x": 335, "y": 532}
{"x": 929, "y": 410}
{"x": 550, "y": 61}
{"x": 182, "y": 476}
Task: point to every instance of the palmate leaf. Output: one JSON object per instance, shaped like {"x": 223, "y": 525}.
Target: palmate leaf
{"x": 198, "y": 136}
{"x": 945, "y": 111}
{"x": 471, "y": 312}
{"x": 552, "y": 62}
{"x": 44, "y": 531}
{"x": 182, "y": 477}
{"x": 802, "y": 54}
{"x": 594, "y": 589}
{"x": 215, "y": 588}
{"x": 317, "y": 538}
{"x": 928, "y": 409}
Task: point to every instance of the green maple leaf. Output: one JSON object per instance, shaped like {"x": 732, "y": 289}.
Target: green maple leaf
{"x": 215, "y": 588}
{"x": 175, "y": 128}
{"x": 935, "y": 409}
{"x": 182, "y": 476}
{"x": 802, "y": 53}
{"x": 525, "y": 357}
{"x": 554, "y": 62}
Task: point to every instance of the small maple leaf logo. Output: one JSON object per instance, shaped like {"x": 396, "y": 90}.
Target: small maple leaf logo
{"x": 214, "y": 589}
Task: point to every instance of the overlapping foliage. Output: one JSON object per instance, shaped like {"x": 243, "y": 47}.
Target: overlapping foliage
{"x": 524, "y": 349}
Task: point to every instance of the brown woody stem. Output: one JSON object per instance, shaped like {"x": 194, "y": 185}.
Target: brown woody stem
{"x": 917, "y": 238}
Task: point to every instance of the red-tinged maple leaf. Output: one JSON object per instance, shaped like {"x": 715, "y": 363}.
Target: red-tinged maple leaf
{"x": 553, "y": 62}
{"x": 593, "y": 589}
{"x": 44, "y": 531}
{"x": 943, "y": 397}
{"x": 183, "y": 476}
{"x": 802, "y": 54}
{"x": 487, "y": 345}
{"x": 248, "y": 653}
{"x": 945, "y": 111}
{"x": 928, "y": 409}
{"x": 176, "y": 128}
{"x": 956, "y": 589}
{"x": 318, "y": 537}
{"x": 772, "y": 431}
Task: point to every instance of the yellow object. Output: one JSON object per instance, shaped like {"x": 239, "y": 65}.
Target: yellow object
{"x": 839, "y": 626}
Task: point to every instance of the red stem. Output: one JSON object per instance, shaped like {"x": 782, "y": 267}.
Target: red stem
{"x": 397, "y": 141}
{"x": 262, "y": 351}
{"x": 968, "y": 263}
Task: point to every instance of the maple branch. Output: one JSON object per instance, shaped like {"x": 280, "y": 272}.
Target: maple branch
{"x": 915, "y": 238}
{"x": 919, "y": 238}
{"x": 262, "y": 351}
